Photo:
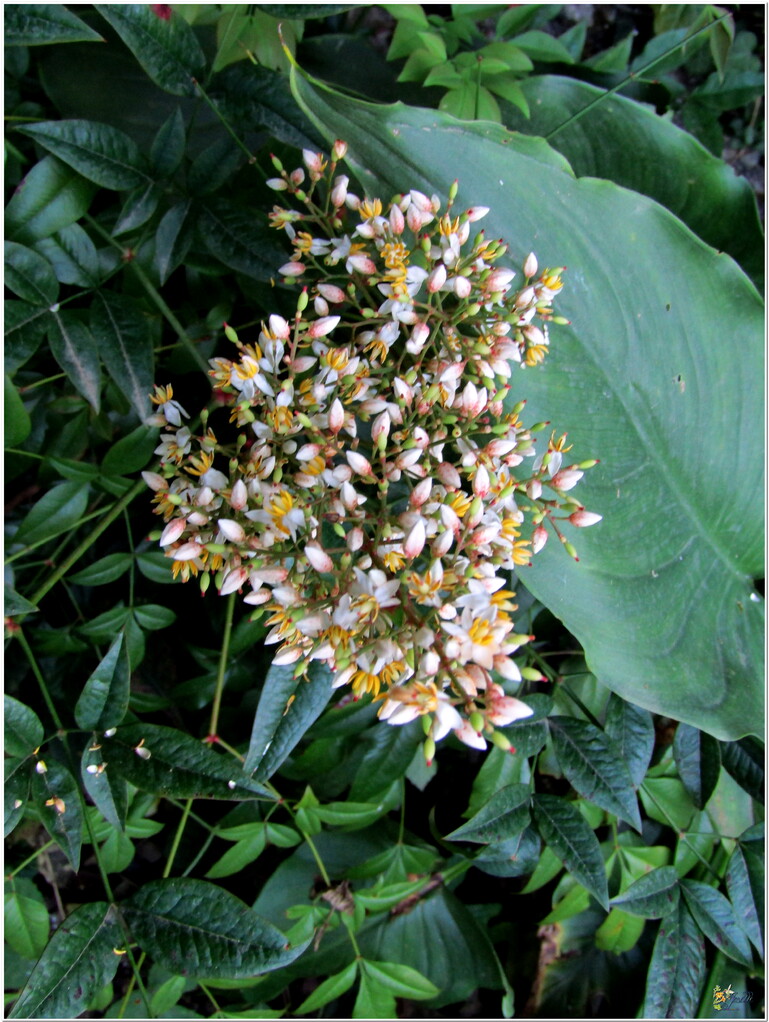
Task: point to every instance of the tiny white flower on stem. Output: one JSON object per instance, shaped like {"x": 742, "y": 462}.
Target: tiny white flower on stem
{"x": 287, "y": 655}
{"x": 355, "y": 538}
{"x": 360, "y": 262}
{"x": 476, "y": 213}
{"x": 582, "y": 519}
{"x": 466, "y": 734}
{"x": 530, "y": 266}
{"x": 421, "y": 492}
{"x": 534, "y": 489}
{"x": 279, "y": 328}
{"x": 481, "y": 482}
{"x": 567, "y": 479}
{"x": 397, "y": 221}
{"x": 339, "y": 191}
{"x": 462, "y": 287}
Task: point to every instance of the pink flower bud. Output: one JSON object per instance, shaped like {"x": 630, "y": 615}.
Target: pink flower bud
{"x": 233, "y": 580}
{"x": 380, "y": 426}
{"x": 320, "y": 305}
{"x": 331, "y": 293}
{"x": 355, "y": 538}
{"x": 188, "y": 551}
{"x": 339, "y": 191}
{"x": 397, "y": 221}
{"x": 538, "y": 539}
{"x": 336, "y": 416}
{"x": 582, "y": 519}
{"x": 533, "y": 334}
{"x": 462, "y": 287}
{"x": 421, "y": 492}
{"x": 279, "y": 328}
{"x": 239, "y": 496}
{"x": 534, "y": 489}
{"x": 292, "y": 269}
{"x": 173, "y": 531}
{"x": 443, "y": 543}
{"x": 323, "y": 326}
{"x": 359, "y": 464}
{"x": 476, "y": 213}
{"x": 338, "y": 150}
{"x": 231, "y": 530}
{"x": 313, "y": 161}
{"x": 402, "y": 390}
{"x": 481, "y": 482}
{"x": 155, "y": 481}
{"x": 530, "y": 266}
{"x": 415, "y": 540}
{"x": 449, "y": 476}
{"x": 567, "y": 479}
{"x": 318, "y": 557}
{"x": 362, "y": 263}
{"x": 470, "y": 737}
{"x": 437, "y": 278}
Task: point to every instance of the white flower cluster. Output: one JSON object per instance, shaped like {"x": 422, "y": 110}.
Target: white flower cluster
{"x": 374, "y": 500}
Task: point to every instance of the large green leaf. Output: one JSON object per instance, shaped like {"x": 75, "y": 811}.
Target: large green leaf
{"x": 239, "y": 239}
{"x": 23, "y": 732}
{"x": 717, "y": 919}
{"x": 122, "y": 333}
{"x": 287, "y": 707}
{"x": 566, "y": 832}
{"x": 173, "y": 764}
{"x": 103, "y": 154}
{"x": 698, "y": 759}
{"x": 204, "y": 930}
{"x": 505, "y": 814}
{"x": 57, "y": 511}
{"x": 167, "y": 49}
{"x": 56, "y": 795}
{"x": 646, "y": 380}
{"x": 25, "y": 918}
{"x": 30, "y": 275}
{"x": 677, "y": 968}
{"x": 74, "y": 348}
{"x": 628, "y": 143}
{"x": 41, "y": 24}
{"x": 18, "y": 424}
{"x": 51, "y": 196}
{"x": 78, "y": 961}
{"x": 104, "y": 700}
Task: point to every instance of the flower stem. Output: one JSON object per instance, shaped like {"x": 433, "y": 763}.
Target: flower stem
{"x": 220, "y": 676}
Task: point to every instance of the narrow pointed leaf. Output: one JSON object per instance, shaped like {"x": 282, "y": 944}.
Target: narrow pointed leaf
{"x": 203, "y": 929}
{"x": 51, "y": 196}
{"x": 698, "y": 761}
{"x": 389, "y": 751}
{"x": 23, "y": 730}
{"x": 30, "y": 275}
{"x": 57, "y": 511}
{"x": 677, "y": 968}
{"x": 25, "y": 325}
{"x": 56, "y": 796}
{"x": 374, "y": 1000}
{"x": 42, "y": 24}
{"x": 16, "y": 419}
{"x": 287, "y": 707}
{"x": 593, "y": 765}
{"x": 173, "y": 238}
{"x": 178, "y": 766}
{"x": 683, "y": 573}
{"x": 401, "y": 979}
{"x": 632, "y": 731}
{"x": 513, "y": 856}
{"x": 101, "y": 153}
{"x": 329, "y": 990}
{"x": 16, "y": 604}
{"x": 106, "y": 788}
{"x": 743, "y": 898}
{"x": 103, "y": 703}
{"x": 652, "y": 896}
{"x": 168, "y": 145}
{"x": 122, "y": 334}
{"x": 168, "y": 50}
{"x": 619, "y": 932}
{"x": 504, "y": 815}
{"x": 717, "y": 920}
{"x": 138, "y": 208}
{"x": 74, "y": 348}
{"x": 16, "y": 791}
{"x": 744, "y": 761}
{"x": 239, "y": 240}
{"x": 78, "y": 961}
{"x": 565, "y": 831}
{"x": 106, "y": 569}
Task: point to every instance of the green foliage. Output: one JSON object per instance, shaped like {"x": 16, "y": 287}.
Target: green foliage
{"x": 155, "y": 760}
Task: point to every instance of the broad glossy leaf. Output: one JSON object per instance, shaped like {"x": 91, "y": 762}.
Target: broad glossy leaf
{"x": 569, "y": 836}
{"x": 716, "y": 918}
{"x": 40, "y": 24}
{"x": 103, "y": 703}
{"x": 51, "y": 196}
{"x": 73, "y": 256}
{"x": 122, "y": 333}
{"x": 23, "y": 730}
{"x": 56, "y": 796}
{"x": 138, "y": 208}
{"x": 131, "y": 453}
{"x": 287, "y": 707}
{"x": 176, "y": 765}
{"x": 16, "y": 420}
{"x": 742, "y": 894}
{"x": 304, "y": 10}
{"x": 57, "y": 511}
{"x": 16, "y": 604}
{"x": 167, "y": 150}
{"x": 329, "y": 990}
{"x": 499, "y": 769}
{"x": 30, "y": 275}
{"x": 74, "y": 348}
{"x": 374, "y": 1000}
{"x": 239, "y": 239}
{"x": 632, "y": 730}
{"x": 78, "y": 961}
{"x": 26, "y": 918}
{"x": 630, "y": 144}
{"x": 173, "y": 238}
{"x": 505, "y": 814}
{"x": 203, "y": 929}
{"x": 25, "y": 325}
{"x": 167, "y": 49}
{"x": 619, "y": 931}
{"x": 592, "y": 763}
{"x": 639, "y": 380}
{"x": 242, "y": 854}
{"x": 677, "y": 968}
{"x": 401, "y": 979}
{"x": 651, "y": 896}
{"x": 99, "y": 152}
{"x": 699, "y": 762}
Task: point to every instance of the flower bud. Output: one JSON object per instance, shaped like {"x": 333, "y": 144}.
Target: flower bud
{"x": 336, "y": 416}
{"x": 437, "y": 278}
{"x": 566, "y": 479}
{"x": 318, "y": 558}
{"x": 582, "y": 519}
{"x": 323, "y": 326}
{"x": 338, "y": 150}
{"x": 415, "y": 540}
{"x": 239, "y": 496}
{"x": 538, "y": 539}
{"x": 173, "y": 531}
{"x": 530, "y": 266}
{"x": 231, "y": 530}
{"x": 292, "y": 269}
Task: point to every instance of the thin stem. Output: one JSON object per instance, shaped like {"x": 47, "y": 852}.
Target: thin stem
{"x": 307, "y": 838}
{"x": 39, "y": 678}
{"x": 177, "y": 839}
{"x": 633, "y": 75}
{"x": 682, "y": 834}
{"x": 220, "y": 675}
{"x": 25, "y": 454}
{"x": 33, "y": 546}
{"x": 210, "y": 996}
{"x": 30, "y": 858}
{"x": 223, "y": 121}
{"x": 109, "y": 517}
